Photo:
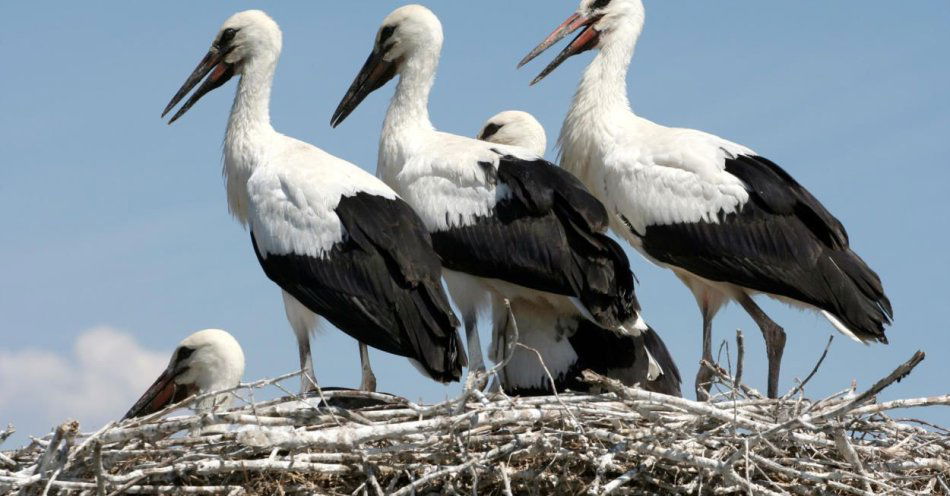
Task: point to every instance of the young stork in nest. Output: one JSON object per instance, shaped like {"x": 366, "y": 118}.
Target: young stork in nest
{"x": 207, "y": 361}
{"x": 727, "y": 221}
{"x": 567, "y": 344}
{"x": 504, "y": 221}
{"x": 339, "y": 242}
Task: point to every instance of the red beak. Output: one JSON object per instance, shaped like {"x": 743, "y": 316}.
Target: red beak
{"x": 162, "y": 393}
{"x": 220, "y": 73}
{"x": 586, "y": 40}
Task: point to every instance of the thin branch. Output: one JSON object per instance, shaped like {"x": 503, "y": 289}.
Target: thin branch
{"x": 738, "y": 443}
{"x": 801, "y": 385}
{"x": 740, "y": 360}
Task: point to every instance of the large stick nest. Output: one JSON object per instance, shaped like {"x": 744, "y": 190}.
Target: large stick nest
{"x": 624, "y": 441}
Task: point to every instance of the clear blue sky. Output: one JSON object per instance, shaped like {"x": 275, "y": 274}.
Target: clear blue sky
{"x": 111, "y": 217}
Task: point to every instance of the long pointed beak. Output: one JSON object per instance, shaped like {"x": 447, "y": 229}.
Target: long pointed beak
{"x": 586, "y": 40}
{"x": 376, "y": 72}
{"x": 163, "y": 392}
{"x": 212, "y": 63}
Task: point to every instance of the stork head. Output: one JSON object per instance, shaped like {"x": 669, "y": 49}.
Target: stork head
{"x": 409, "y": 36}
{"x": 246, "y": 38}
{"x": 206, "y": 361}
{"x": 601, "y": 21}
{"x": 515, "y": 128}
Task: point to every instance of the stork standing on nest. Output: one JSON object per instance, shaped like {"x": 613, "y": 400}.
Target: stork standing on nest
{"x": 504, "y": 221}
{"x": 207, "y": 361}
{"x": 339, "y": 242}
{"x": 566, "y": 345}
{"x": 728, "y": 222}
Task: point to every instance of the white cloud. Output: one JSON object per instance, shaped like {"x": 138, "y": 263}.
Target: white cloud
{"x": 107, "y": 371}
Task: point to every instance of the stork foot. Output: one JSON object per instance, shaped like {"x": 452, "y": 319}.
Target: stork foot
{"x": 703, "y": 382}
{"x": 368, "y": 383}
{"x": 308, "y": 385}
{"x": 477, "y": 379}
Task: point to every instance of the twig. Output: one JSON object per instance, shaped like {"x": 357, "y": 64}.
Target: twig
{"x": 6, "y": 433}
{"x": 740, "y": 360}
{"x": 846, "y": 450}
{"x": 738, "y": 443}
{"x": 620, "y": 481}
{"x": 895, "y": 376}
{"x": 801, "y": 385}
{"x": 100, "y": 472}
{"x": 506, "y": 483}
{"x": 491, "y": 455}
{"x": 908, "y": 403}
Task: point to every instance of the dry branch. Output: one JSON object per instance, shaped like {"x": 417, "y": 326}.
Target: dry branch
{"x": 625, "y": 441}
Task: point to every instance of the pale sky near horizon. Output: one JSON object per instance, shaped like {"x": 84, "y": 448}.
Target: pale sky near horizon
{"x": 116, "y": 241}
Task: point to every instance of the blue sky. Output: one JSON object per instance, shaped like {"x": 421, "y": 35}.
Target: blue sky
{"x": 112, "y": 219}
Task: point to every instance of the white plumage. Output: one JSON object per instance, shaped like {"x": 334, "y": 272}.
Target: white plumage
{"x": 324, "y": 230}
{"x": 204, "y": 362}
{"x": 728, "y": 222}
{"x": 294, "y": 195}
{"x": 465, "y": 192}
{"x": 515, "y": 128}
{"x": 549, "y": 334}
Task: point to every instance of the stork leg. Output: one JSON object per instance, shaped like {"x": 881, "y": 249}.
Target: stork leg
{"x": 307, "y": 380}
{"x": 476, "y": 362}
{"x": 302, "y": 321}
{"x": 774, "y": 340}
{"x": 704, "y": 376}
{"x": 469, "y": 294}
{"x": 369, "y": 380}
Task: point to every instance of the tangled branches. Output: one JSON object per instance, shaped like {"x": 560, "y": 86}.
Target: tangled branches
{"x": 624, "y": 441}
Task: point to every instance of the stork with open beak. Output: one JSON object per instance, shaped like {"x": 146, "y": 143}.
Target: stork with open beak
{"x": 337, "y": 241}
{"x": 207, "y": 361}
{"x": 727, "y": 221}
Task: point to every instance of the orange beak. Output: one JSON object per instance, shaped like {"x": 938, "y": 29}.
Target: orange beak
{"x": 586, "y": 40}
{"x": 220, "y": 73}
{"x": 162, "y": 393}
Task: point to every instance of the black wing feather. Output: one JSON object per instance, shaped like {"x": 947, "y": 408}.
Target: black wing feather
{"x": 620, "y": 357}
{"x": 624, "y": 358}
{"x": 381, "y": 285}
{"x": 547, "y": 235}
{"x": 783, "y": 242}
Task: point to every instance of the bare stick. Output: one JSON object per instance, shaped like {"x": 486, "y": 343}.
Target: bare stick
{"x": 740, "y": 359}
{"x": 620, "y": 481}
{"x": 100, "y": 473}
{"x": 801, "y": 385}
{"x": 738, "y": 443}
{"x": 895, "y": 376}
{"x": 491, "y": 455}
{"x": 503, "y": 468}
{"x": 6, "y": 433}
{"x": 908, "y": 403}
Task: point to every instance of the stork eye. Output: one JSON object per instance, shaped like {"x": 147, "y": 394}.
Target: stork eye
{"x": 490, "y": 130}
{"x": 384, "y": 35}
{"x": 183, "y": 353}
{"x": 226, "y": 37}
{"x": 599, "y": 4}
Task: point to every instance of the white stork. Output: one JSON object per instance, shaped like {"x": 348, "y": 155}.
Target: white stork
{"x": 728, "y": 222}
{"x": 565, "y": 344}
{"x": 207, "y": 361}
{"x": 515, "y": 128}
{"x": 339, "y": 242}
{"x": 504, "y": 221}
